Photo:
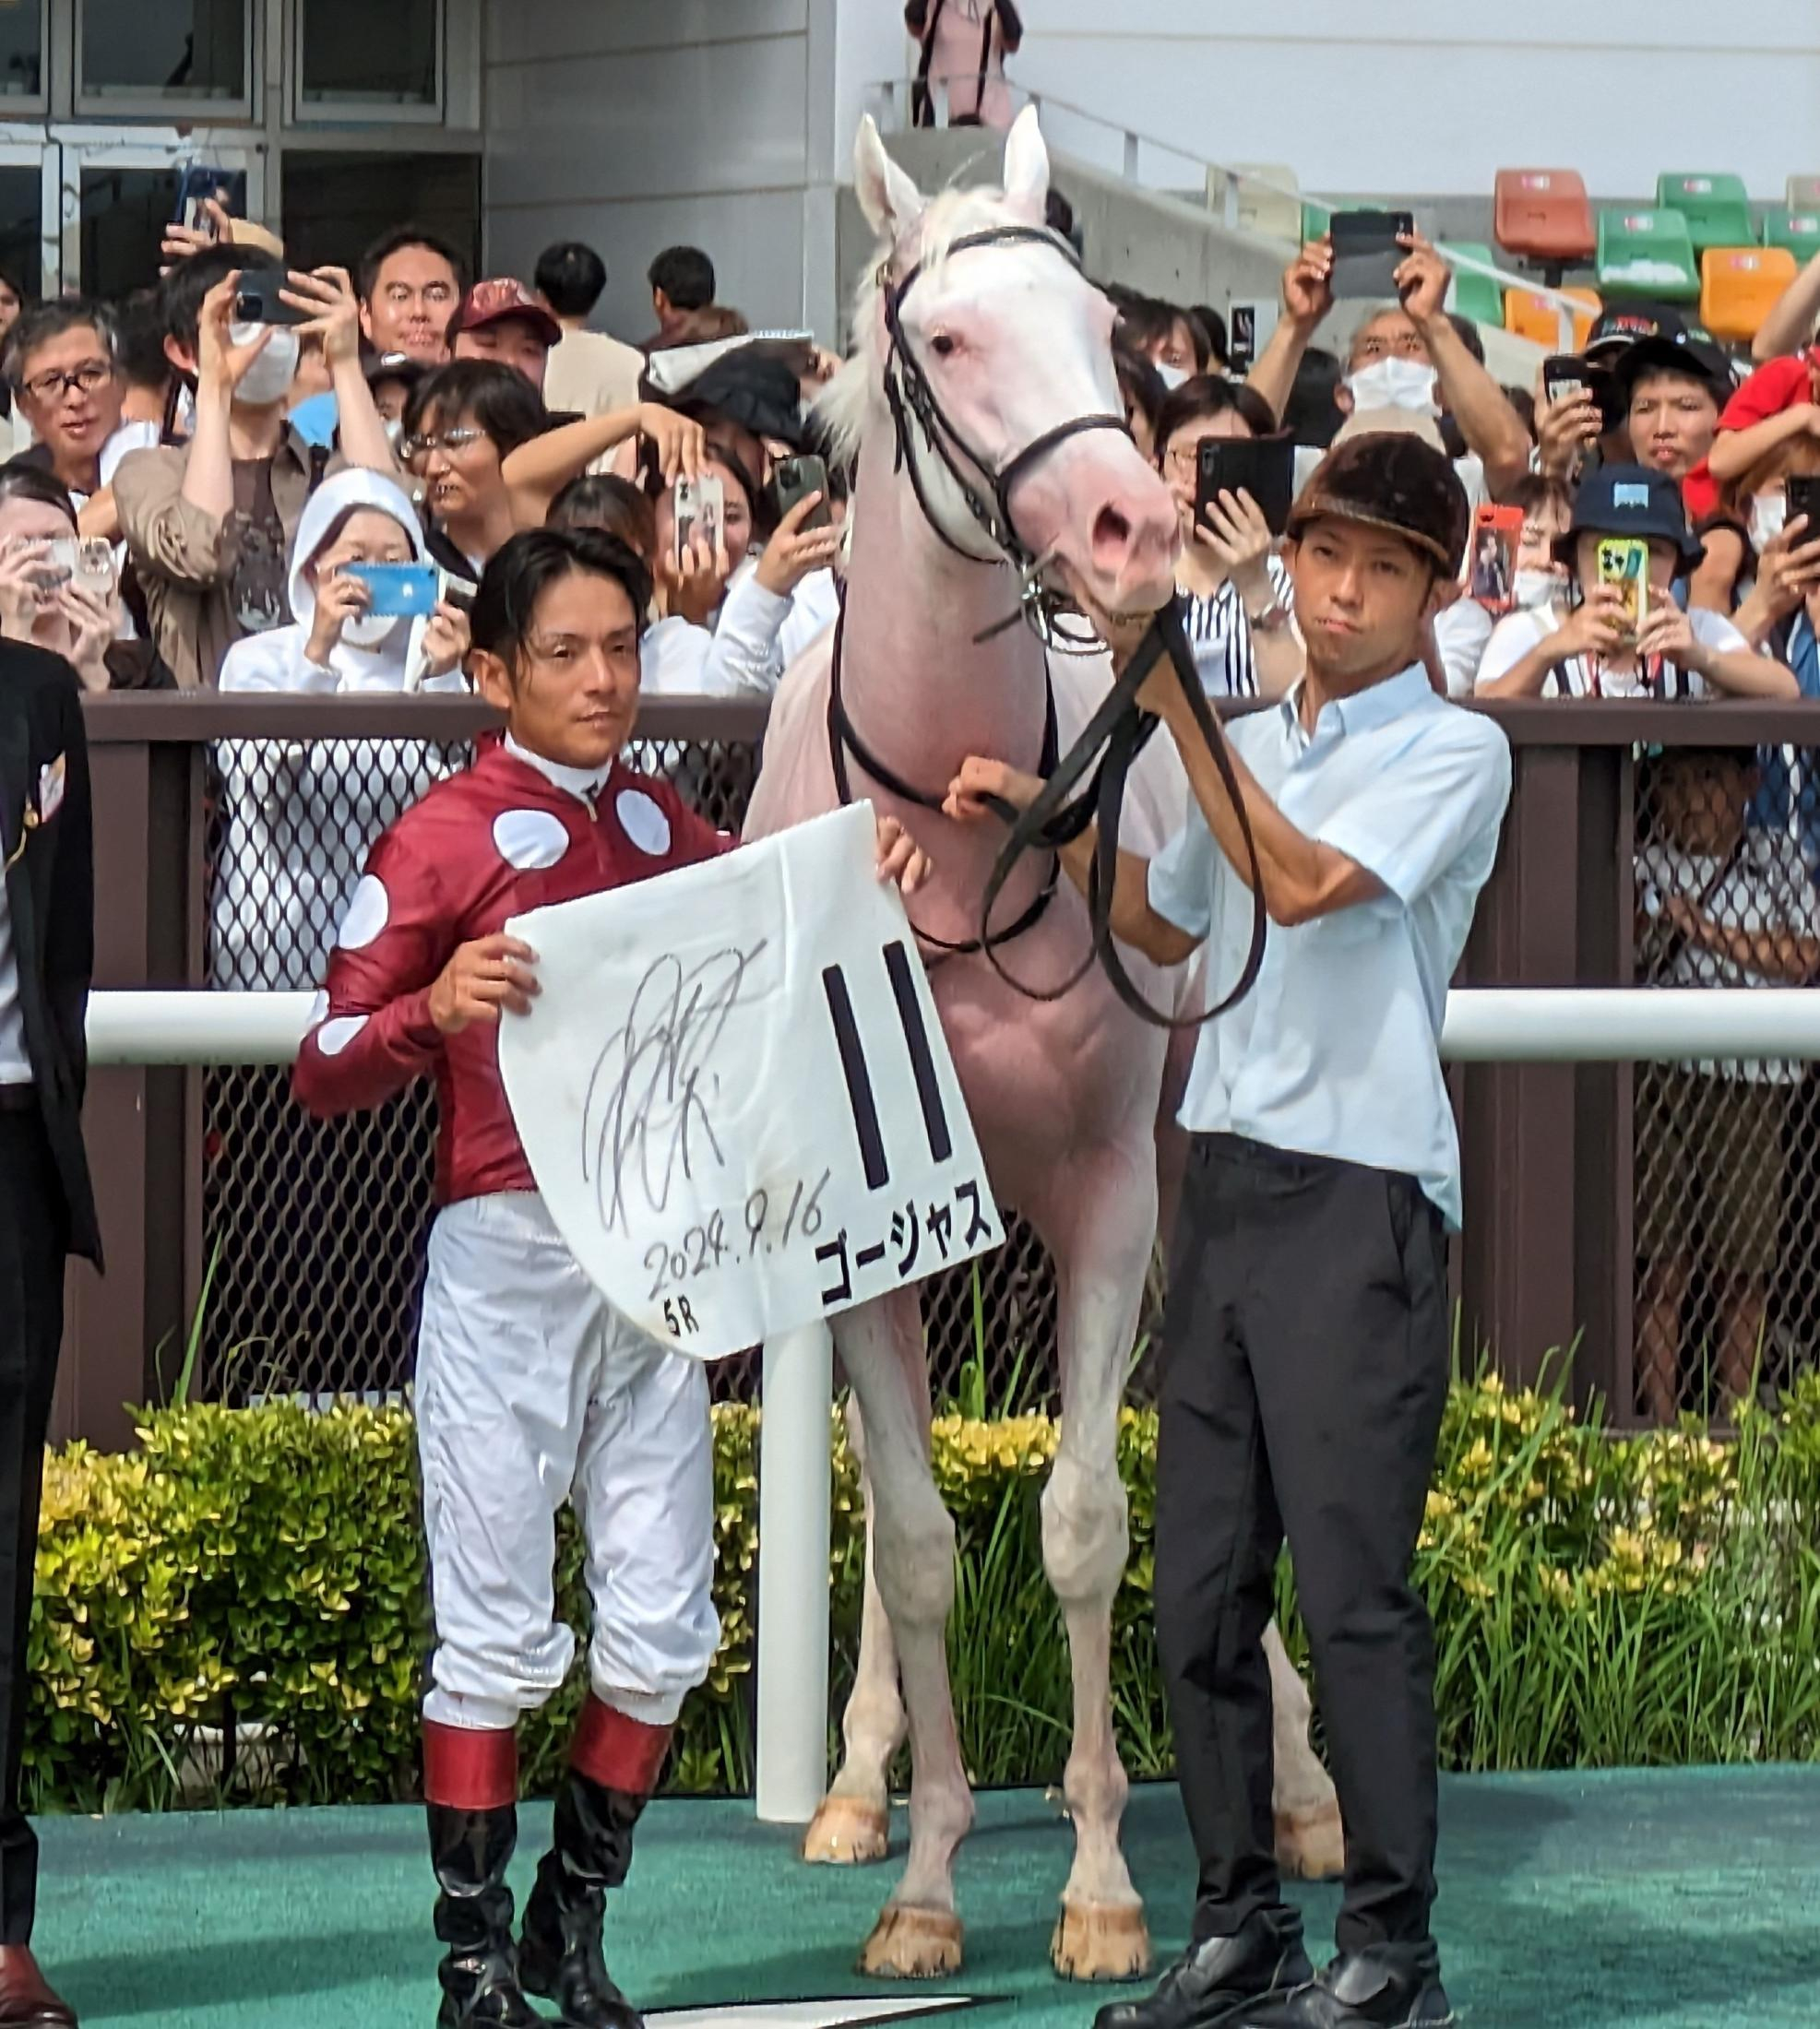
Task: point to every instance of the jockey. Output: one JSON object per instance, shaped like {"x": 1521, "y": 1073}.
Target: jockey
{"x": 529, "y": 1386}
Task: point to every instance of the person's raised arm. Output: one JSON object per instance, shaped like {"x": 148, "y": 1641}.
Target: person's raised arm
{"x": 1739, "y": 672}
{"x": 1790, "y": 324}
{"x": 1307, "y": 293}
{"x": 220, "y": 367}
{"x": 536, "y": 472}
{"x": 327, "y": 295}
{"x": 1735, "y": 451}
{"x": 1491, "y": 429}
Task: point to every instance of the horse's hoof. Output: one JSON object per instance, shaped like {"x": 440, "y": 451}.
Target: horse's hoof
{"x": 1100, "y": 1941}
{"x": 847, "y": 1832}
{"x": 913, "y": 1944}
{"x": 1310, "y": 1847}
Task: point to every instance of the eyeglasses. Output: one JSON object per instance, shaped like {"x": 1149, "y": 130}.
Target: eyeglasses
{"x": 1183, "y": 459}
{"x": 51, "y": 386}
{"x": 452, "y": 441}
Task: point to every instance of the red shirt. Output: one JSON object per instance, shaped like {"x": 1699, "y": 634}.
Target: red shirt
{"x": 1778, "y": 385}
{"x": 493, "y": 842}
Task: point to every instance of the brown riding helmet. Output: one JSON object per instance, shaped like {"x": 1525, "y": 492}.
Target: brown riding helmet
{"x": 1397, "y": 483}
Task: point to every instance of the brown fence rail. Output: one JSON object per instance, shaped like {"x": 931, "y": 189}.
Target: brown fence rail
{"x": 1660, "y": 1221}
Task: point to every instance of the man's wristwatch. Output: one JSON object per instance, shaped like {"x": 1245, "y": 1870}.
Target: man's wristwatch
{"x": 1269, "y": 618}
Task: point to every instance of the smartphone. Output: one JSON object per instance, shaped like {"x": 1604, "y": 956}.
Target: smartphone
{"x": 259, "y": 299}
{"x": 198, "y": 182}
{"x": 1496, "y": 533}
{"x": 700, "y": 508}
{"x": 1624, "y": 560}
{"x": 1263, "y": 467}
{"x": 1365, "y": 253}
{"x": 401, "y": 591}
{"x": 1803, "y": 492}
{"x": 88, "y": 561}
{"x": 794, "y": 480}
{"x": 1565, "y": 377}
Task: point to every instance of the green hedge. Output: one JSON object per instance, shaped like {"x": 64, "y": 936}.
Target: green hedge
{"x": 1598, "y": 1600}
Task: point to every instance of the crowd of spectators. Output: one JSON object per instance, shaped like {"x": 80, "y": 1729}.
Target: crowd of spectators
{"x": 203, "y": 470}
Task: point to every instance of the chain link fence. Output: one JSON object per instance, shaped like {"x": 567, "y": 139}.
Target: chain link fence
{"x": 315, "y": 1230}
{"x": 1727, "y": 1291}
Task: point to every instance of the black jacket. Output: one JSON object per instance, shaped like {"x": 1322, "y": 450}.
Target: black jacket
{"x": 47, "y": 843}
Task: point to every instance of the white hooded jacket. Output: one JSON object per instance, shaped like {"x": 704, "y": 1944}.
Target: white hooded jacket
{"x": 297, "y": 816}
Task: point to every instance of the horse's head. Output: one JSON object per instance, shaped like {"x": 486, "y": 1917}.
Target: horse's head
{"x": 1014, "y": 346}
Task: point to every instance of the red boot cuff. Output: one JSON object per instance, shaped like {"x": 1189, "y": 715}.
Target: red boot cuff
{"x": 617, "y": 1752}
{"x": 469, "y": 1768}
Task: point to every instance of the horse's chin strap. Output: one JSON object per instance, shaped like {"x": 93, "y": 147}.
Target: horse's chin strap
{"x": 1114, "y": 737}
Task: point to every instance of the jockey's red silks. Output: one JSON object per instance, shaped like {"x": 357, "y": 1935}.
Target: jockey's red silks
{"x": 616, "y": 1751}
{"x": 469, "y": 1768}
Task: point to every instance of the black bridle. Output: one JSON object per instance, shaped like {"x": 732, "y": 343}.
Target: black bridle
{"x": 1118, "y": 731}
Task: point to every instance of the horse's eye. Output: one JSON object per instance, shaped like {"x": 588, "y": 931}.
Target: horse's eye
{"x": 944, "y": 345}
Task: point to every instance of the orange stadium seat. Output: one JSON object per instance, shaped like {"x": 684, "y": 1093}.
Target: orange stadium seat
{"x": 1530, "y": 316}
{"x": 1542, "y": 216}
{"x": 1739, "y": 286}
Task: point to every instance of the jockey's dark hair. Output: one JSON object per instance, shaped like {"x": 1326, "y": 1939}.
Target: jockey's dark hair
{"x": 520, "y": 572}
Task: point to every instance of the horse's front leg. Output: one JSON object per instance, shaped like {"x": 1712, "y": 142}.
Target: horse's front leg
{"x": 918, "y": 1934}
{"x": 853, "y": 1823}
{"x": 1100, "y": 1221}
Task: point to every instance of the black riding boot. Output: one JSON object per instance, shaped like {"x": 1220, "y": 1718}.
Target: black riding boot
{"x": 559, "y": 1957}
{"x": 469, "y": 1851}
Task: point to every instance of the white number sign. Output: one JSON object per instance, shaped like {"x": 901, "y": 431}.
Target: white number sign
{"x": 735, "y": 1095}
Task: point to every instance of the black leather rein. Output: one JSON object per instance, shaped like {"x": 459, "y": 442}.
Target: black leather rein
{"x": 1119, "y": 729}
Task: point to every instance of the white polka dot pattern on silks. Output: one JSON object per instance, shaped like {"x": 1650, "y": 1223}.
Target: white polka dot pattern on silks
{"x": 643, "y": 822}
{"x": 318, "y": 1008}
{"x": 369, "y": 910}
{"x": 528, "y": 838}
{"x": 334, "y": 1037}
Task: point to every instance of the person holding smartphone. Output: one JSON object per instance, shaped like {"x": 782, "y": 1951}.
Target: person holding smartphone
{"x": 61, "y": 592}
{"x": 1593, "y": 651}
{"x": 1235, "y": 584}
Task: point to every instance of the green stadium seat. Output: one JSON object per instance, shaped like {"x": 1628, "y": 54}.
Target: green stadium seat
{"x": 1647, "y": 253}
{"x": 1797, "y": 230}
{"x": 1718, "y": 208}
{"x": 1475, "y": 296}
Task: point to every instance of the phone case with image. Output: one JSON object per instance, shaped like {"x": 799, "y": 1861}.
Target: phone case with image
{"x": 701, "y": 508}
{"x": 1624, "y": 560}
{"x": 1496, "y": 533}
{"x": 401, "y": 591}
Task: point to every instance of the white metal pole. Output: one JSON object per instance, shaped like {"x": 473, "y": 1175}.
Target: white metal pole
{"x": 795, "y": 1467}
{"x": 195, "y": 1026}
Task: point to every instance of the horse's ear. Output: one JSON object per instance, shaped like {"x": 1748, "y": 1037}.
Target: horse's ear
{"x": 890, "y": 200}
{"x": 1026, "y": 167}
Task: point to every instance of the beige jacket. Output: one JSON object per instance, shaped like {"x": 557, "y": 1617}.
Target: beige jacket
{"x": 591, "y": 375}
{"x": 184, "y": 558}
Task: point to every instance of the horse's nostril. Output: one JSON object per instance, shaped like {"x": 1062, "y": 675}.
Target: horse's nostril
{"x": 1112, "y": 529}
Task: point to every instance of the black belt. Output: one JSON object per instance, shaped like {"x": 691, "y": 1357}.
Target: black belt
{"x": 18, "y": 1099}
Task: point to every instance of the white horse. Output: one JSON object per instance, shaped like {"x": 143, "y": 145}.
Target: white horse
{"x": 1013, "y": 345}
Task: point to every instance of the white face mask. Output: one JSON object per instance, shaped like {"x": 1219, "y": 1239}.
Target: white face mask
{"x": 269, "y": 379}
{"x": 1394, "y": 384}
{"x": 1770, "y": 517}
{"x": 1531, "y": 589}
{"x": 1172, "y": 376}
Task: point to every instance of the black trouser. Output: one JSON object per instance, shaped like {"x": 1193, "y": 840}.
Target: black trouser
{"x": 32, "y": 1240}
{"x": 1304, "y": 1377}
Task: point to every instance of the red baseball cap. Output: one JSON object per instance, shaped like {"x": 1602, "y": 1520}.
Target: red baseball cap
{"x": 505, "y": 296}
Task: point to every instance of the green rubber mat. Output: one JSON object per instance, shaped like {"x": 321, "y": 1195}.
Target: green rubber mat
{"x": 1677, "y": 1899}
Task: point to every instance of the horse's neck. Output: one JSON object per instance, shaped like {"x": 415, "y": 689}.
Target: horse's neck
{"x": 922, "y": 690}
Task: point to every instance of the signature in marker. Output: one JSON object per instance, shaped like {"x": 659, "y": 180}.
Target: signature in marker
{"x": 649, "y": 1108}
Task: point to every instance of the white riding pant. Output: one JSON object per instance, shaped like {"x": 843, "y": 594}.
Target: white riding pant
{"x": 531, "y": 1387}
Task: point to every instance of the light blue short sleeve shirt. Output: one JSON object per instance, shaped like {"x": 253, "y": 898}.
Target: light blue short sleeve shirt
{"x": 1335, "y": 1050}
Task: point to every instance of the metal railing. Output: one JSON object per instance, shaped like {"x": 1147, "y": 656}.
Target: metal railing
{"x": 890, "y": 100}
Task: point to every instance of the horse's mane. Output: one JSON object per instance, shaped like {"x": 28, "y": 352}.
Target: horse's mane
{"x": 843, "y": 405}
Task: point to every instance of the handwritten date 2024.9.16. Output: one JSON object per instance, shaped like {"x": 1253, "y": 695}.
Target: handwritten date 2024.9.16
{"x": 958, "y": 1223}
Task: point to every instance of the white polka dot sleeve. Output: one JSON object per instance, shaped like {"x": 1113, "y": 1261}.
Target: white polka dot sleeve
{"x": 370, "y": 1030}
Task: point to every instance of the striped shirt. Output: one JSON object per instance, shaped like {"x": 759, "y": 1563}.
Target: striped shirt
{"x": 1220, "y": 635}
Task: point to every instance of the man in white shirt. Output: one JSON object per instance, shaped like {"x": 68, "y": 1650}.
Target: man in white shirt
{"x": 1306, "y": 1360}
{"x": 589, "y": 374}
